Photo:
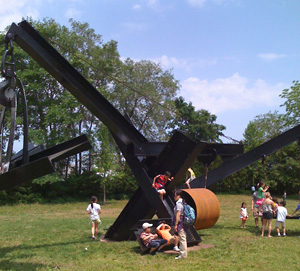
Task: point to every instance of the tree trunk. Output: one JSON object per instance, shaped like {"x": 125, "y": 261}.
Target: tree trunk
{"x": 67, "y": 167}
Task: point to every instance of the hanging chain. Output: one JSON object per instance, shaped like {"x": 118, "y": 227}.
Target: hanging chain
{"x": 8, "y": 59}
{"x": 8, "y": 97}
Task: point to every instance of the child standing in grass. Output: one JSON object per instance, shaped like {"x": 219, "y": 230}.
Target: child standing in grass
{"x": 94, "y": 210}
{"x": 243, "y": 215}
{"x": 281, "y": 216}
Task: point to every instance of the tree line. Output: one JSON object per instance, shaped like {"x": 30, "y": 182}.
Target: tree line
{"x": 148, "y": 95}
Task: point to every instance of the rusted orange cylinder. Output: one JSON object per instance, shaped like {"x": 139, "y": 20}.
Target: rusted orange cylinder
{"x": 206, "y": 205}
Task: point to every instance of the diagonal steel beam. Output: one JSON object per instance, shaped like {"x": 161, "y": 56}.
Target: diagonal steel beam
{"x": 177, "y": 156}
{"x": 48, "y": 58}
{"x": 248, "y": 158}
{"x": 41, "y": 162}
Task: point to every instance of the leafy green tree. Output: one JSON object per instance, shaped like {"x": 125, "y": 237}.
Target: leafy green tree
{"x": 197, "y": 124}
{"x": 280, "y": 169}
{"x": 145, "y": 92}
{"x": 263, "y": 128}
{"x": 292, "y": 104}
{"x": 142, "y": 90}
{"x": 54, "y": 114}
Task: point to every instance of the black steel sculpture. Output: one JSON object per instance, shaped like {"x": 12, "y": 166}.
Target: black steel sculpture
{"x": 31, "y": 162}
{"x": 146, "y": 159}
{"x": 249, "y": 157}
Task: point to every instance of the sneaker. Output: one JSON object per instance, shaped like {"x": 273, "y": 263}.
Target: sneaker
{"x": 279, "y": 235}
{"x": 179, "y": 257}
{"x": 93, "y": 238}
{"x": 176, "y": 249}
{"x": 153, "y": 253}
{"x": 284, "y": 235}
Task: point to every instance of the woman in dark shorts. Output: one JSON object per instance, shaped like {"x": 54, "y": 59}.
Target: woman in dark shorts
{"x": 267, "y": 207}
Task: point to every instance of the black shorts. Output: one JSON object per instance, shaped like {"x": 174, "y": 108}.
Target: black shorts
{"x": 267, "y": 216}
{"x": 157, "y": 243}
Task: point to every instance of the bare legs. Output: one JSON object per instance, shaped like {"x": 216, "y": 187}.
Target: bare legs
{"x": 243, "y": 223}
{"x": 161, "y": 194}
{"x": 264, "y": 224}
{"x": 94, "y": 229}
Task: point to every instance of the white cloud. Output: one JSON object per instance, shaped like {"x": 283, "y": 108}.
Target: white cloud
{"x": 137, "y": 7}
{"x": 152, "y": 3}
{"x": 271, "y": 56}
{"x": 186, "y": 64}
{"x": 72, "y": 13}
{"x": 171, "y": 62}
{"x": 197, "y": 3}
{"x": 13, "y": 11}
{"x": 202, "y": 3}
{"x": 229, "y": 94}
{"x": 133, "y": 27}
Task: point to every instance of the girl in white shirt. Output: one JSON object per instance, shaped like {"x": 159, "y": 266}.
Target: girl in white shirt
{"x": 243, "y": 215}
{"x": 94, "y": 210}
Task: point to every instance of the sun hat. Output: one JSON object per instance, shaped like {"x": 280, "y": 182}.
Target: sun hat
{"x": 147, "y": 225}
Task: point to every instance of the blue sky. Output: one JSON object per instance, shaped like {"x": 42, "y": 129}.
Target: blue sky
{"x": 232, "y": 57}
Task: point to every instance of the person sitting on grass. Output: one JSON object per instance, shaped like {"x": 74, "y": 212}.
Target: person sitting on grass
{"x": 150, "y": 240}
{"x": 163, "y": 231}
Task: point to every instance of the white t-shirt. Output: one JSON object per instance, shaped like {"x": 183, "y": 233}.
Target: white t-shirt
{"x": 243, "y": 213}
{"x": 281, "y": 214}
{"x": 94, "y": 211}
{"x": 179, "y": 206}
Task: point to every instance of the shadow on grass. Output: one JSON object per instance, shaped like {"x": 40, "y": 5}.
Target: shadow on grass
{"x": 11, "y": 265}
{"x": 137, "y": 250}
{"x": 14, "y": 262}
{"x": 257, "y": 231}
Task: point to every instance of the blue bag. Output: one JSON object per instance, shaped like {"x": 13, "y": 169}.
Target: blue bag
{"x": 189, "y": 215}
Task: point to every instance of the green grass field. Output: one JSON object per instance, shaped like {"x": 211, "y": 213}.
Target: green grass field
{"x": 54, "y": 237}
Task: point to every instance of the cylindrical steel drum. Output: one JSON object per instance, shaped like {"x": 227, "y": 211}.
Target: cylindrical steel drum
{"x": 206, "y": 205}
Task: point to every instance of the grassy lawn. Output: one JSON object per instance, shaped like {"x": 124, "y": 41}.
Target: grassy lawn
{"x": 54, "y": 237}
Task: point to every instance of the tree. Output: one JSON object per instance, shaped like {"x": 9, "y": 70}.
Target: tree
{"x": 141, "y": 90}
{"x": 146, "y": 93}
{"x": 197, "y": 124}
{"x": 263, "y": 128}
{"x": 292, "y": 104}
{"x": 54, "y": 114}
{"x": 279, "y": 170}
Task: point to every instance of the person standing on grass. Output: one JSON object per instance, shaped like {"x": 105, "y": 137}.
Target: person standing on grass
{"x": 275, "y": 205}
{"x": 178, "y": 224}
{"x": 281, "y": 216}
{"x": 94, "y": 209}
{"x": 284, "y": 198}
{"x": 243, "y": 215}
{"x": 254, "y": 207}
{"x": 267, "y": 207}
